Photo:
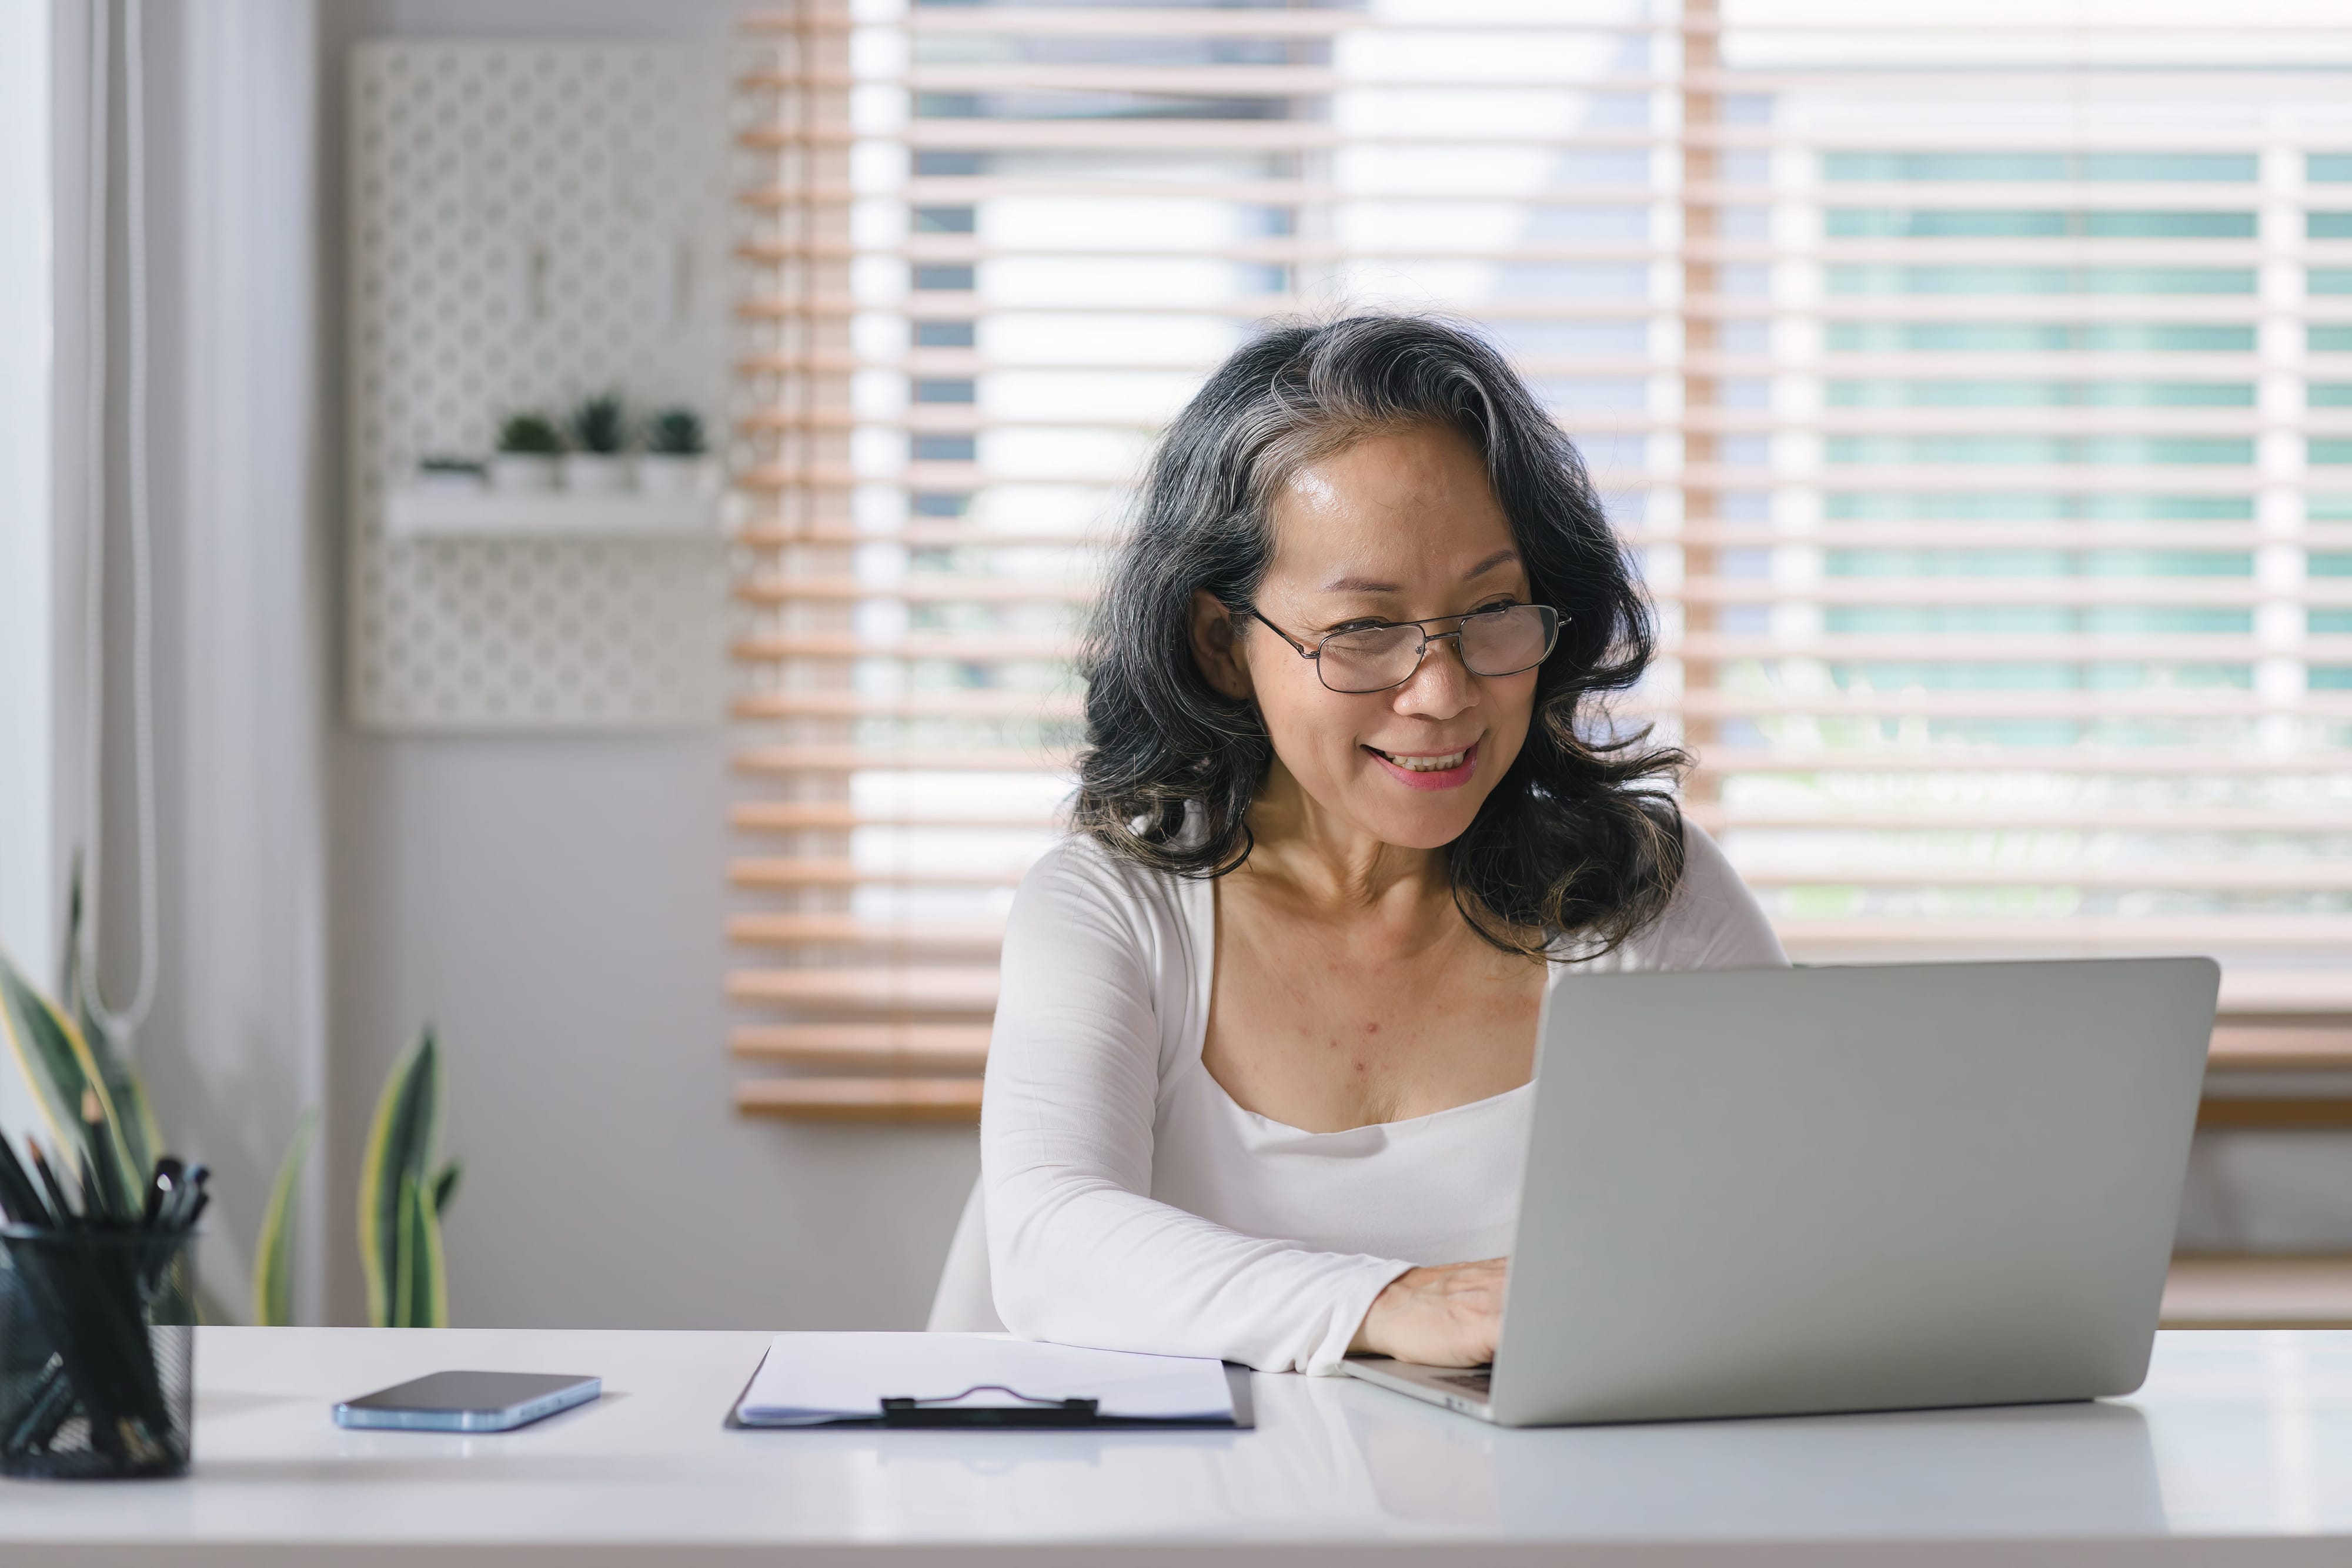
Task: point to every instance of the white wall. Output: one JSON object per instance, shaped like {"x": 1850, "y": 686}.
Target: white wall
{"x": 556, "y": 907}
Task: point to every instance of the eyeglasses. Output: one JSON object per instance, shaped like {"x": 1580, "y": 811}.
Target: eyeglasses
{"x": 1502, "y": 640}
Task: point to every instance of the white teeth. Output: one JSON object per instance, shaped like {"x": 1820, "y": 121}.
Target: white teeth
{"x": 1428, "y": 764}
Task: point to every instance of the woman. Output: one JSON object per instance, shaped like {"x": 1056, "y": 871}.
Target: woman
{"x": 1259, "y": 1081}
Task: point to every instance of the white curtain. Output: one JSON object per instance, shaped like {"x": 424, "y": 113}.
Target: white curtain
{"x": 237, "y": 430}
{"x": 28, "y": 698}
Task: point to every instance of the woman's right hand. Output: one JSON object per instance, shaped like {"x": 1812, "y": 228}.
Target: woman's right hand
{"x": 1449, "y": 1315}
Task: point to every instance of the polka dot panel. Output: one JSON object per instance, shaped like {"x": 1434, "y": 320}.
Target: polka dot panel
{"x": 532, "y": 224}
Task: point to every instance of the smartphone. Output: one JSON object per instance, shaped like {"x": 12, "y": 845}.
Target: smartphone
{"x": 469, "y": 1401}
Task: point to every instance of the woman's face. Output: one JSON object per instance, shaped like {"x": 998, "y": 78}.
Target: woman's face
{"x": 1399, "y": 527}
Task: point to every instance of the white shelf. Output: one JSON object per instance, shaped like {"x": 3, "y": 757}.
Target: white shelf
{"x": 423, "y": 512}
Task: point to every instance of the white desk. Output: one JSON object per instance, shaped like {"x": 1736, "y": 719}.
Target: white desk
{"x": 2238, "y": 1452}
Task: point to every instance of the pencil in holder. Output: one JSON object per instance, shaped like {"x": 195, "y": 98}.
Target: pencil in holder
{"x": 97, "y": 1349}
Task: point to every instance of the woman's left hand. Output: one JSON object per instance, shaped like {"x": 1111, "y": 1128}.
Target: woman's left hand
{"x": 1450, "y": 1315}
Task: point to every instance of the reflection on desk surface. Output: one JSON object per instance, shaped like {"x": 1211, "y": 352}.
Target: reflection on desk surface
{"x": 2242, "y": 1434}
{"x": 2067, "y": 1470}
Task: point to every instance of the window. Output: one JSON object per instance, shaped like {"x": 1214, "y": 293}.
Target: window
{"x": 1976, "y": 427}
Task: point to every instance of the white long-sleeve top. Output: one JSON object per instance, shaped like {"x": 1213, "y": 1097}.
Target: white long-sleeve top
{"x": 1131, "y": 1204}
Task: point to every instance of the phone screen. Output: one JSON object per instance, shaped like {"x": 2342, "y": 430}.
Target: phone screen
{"x": 456, "y": 1392}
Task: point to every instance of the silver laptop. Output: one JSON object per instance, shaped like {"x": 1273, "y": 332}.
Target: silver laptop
{"x": 1755, "y": 1191}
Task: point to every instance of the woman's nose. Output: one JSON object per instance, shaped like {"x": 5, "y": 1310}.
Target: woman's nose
{"x": 1443, "y": 685}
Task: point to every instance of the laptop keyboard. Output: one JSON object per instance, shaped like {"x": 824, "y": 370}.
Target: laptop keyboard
{"x": 1475, "y": 1382}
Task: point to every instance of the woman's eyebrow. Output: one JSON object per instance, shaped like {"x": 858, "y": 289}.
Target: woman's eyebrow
{"x": 1367, "y": 585}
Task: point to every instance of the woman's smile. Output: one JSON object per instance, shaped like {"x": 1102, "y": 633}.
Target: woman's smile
{"x": 1429, "y": 770}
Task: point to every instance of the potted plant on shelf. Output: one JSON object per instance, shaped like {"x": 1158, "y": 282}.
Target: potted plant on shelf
{"x": 529, "y": 446}
{"x": 673, "y": 463}
{"x": 442, "y": 472}
{"x": 594, "y": 466}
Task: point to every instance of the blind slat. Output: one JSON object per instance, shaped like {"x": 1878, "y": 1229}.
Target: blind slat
{"x": 1440, "y": 247}
{"x": 1843, "y": 535}
{"x": 1089, "y": 135}
{"x": 2058, "y": 872}
{"x": 2036, "y": 362}
{"x": 1974, "y": 648}
{"x": 954, "y": 1100}
{"x": 2059, "y": 935}
{"x": 901, "y": 1045}
{"x": 845, "y": 758}
{"x": 1982, "y": 818}
{"x": 807, "y": 816}
{"x": 945, "y": 535}
{"x": 893, "y": 989}
{"x": 1946, "y": 704}
{"x": 2046, "y": 871}
{"x": 809, "y": 871}
{"x": 2009, "y": 591}
{"x": 2039, "y": 423}
{"x": 856, "y": 931}
{"x": 958, "y": 704}
{"x": 996, "y": 648}
{"x": 1950, "y": 77}
{"x": 943, "y": 589}
{"x": 2166, "y": 762}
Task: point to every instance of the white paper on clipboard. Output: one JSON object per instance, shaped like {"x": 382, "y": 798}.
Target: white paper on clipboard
{"x": 808, "y": 1379}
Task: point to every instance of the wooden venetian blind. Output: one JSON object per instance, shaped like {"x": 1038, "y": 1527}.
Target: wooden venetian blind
{"x": 1976, "y": 399}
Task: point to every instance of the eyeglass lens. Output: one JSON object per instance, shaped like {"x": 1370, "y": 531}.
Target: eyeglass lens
{"x": 1494, "y": 642}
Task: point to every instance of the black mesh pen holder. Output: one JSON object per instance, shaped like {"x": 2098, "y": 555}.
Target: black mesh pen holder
{"x": 96, "y": 1352}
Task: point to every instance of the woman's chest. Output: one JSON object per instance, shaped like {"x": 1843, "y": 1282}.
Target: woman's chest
{"x": 1323, "y": 1029}
{"x": 1437, "y": 1189}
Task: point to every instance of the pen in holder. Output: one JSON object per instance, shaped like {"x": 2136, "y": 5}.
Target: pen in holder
{"x": 96, "y": 1318}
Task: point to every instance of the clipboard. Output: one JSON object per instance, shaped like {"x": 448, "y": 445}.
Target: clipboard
{"x": 915, "y": 1413}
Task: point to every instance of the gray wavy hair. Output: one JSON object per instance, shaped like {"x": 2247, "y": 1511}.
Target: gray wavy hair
{"x": 1581, "y": 836}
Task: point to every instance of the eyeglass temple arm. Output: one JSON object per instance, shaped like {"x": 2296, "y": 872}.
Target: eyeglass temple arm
{"x": 1301, "y": 648}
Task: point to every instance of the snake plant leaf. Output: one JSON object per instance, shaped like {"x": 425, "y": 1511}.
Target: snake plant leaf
{"x": 443, "y": 1188}
{"x": 58, "y": 1063}
{"x": 420, "y": 1296}
{"x": 143, "y": 1140}
{"x": 403, "y": 1258}
{"x": 108, "y": 1187}
{"x": 273, "y": 1255}
{"x": 401, "y": 1140}
{"x": 429, "y": 1281}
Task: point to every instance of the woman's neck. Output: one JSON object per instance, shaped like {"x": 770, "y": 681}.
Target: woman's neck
{"x": 1332, "y": 865}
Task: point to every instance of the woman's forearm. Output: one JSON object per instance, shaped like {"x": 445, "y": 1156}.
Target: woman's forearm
{"x": 1087, "y": 1262}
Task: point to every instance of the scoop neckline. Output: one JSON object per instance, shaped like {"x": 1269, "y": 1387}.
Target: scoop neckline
{"x": 1200, "y": 1065}
{"x": 1205, "y": 938}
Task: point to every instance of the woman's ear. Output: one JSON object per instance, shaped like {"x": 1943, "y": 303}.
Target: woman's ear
{"x": 1216, "y": 651}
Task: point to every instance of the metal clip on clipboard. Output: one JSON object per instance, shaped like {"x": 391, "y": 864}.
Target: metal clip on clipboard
{"x": 901, "y": 1410}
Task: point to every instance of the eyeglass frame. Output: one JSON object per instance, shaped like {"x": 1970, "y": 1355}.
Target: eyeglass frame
{"x": 1315, "y": 653}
